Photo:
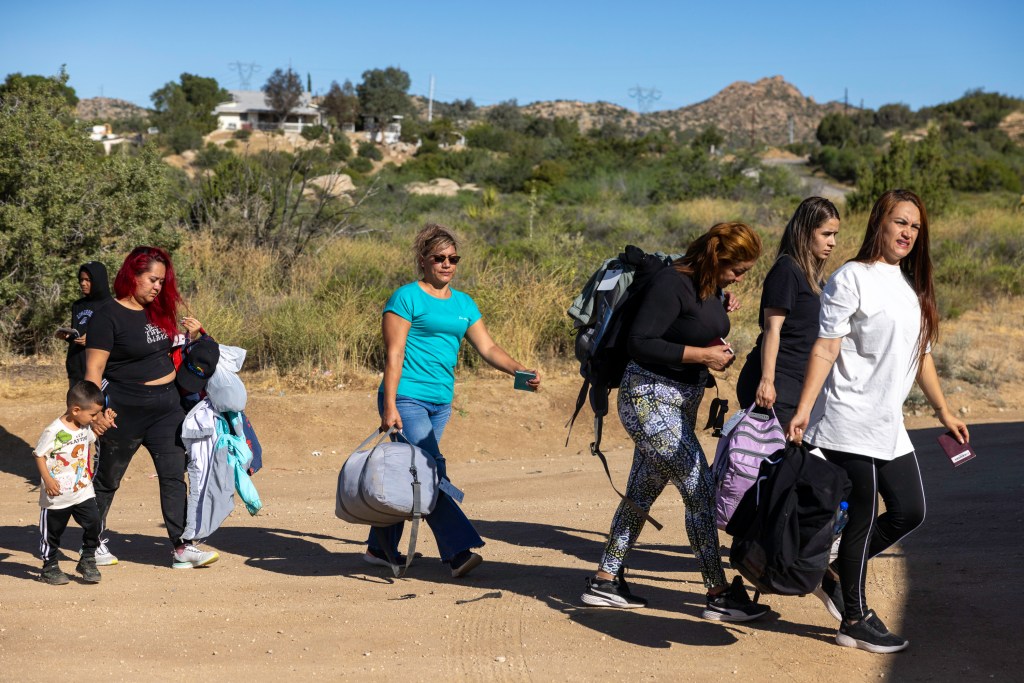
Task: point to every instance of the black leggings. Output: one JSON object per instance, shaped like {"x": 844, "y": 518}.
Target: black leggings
{"x": 867, "y": 533}
{"x": 149, "y": 416}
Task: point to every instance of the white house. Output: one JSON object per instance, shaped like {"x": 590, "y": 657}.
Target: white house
{"x": 249, "y": 109}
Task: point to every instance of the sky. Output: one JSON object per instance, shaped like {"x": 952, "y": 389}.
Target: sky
{"x": 917, "y": 52}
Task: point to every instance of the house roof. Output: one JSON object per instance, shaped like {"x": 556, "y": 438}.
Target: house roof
{"x": 256, "y": 100}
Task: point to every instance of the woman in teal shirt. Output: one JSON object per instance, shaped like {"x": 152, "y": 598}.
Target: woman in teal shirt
{"x": 423, "y": 325}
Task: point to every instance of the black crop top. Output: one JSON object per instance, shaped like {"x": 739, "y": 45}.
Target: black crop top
{"x": 669, "y": 319}
{"x": 138, "y": 349}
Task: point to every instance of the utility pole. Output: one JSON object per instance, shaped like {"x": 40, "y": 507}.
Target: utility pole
{"x": 753, "y": 118}
{"x": 430, "y": 101}
{"x": 790, "y": 123}
{"x": 846, "y": 100}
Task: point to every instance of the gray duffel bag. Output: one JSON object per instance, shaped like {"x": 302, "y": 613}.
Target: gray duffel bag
{"x": 386, "y": 483}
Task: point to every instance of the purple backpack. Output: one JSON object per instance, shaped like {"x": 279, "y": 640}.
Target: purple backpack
{"x": 738, "y": 459}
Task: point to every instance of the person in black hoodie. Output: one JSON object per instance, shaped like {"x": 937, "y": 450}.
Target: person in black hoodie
{"x": 92, "y": 280}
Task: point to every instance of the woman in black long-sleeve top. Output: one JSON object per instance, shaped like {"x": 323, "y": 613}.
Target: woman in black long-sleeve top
{"x": 676, "y": 337}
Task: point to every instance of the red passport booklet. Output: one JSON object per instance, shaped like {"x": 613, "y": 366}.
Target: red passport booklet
{"x": 958, "y": 453}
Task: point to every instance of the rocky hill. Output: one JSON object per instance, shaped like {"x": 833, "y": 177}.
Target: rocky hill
{"x": 107, "y": 109}
{"x": 766, "y": 107}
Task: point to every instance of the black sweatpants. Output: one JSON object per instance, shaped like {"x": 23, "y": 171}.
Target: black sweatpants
{"x": 149, "y": 416}
{"x": 867, "y": 533}
{"x": 52, "y": 524}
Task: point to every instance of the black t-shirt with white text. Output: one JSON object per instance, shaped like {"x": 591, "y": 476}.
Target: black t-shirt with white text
{"x": 138, "y": 348}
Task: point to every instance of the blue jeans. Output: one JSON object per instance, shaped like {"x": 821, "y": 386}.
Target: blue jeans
{"x": 423, "y": 423}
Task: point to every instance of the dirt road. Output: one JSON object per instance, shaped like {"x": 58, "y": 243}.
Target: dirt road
{"x": 291, "y": 596}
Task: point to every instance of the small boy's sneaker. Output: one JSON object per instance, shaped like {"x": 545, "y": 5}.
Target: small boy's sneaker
{"x": 54, "y": 576}
{"x": 610, "y": 593}
{"x": 871, "y": 635}
{"x": 831, "y": 595}
{"x": 104, "y": 558}
{"x": 190, "y": 557}
{"x": 733, "y": 604}
{"x": 464, "y": 563}
{"x": 87, "y": 568}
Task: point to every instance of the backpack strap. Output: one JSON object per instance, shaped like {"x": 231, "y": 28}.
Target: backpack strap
{"x": 719, "y": 408}
{"x": 595, "y": 449}
{"x": 580, "y": 400}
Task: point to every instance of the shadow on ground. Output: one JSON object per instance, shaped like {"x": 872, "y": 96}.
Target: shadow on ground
{"x": 964, "y": 601}
{"x": 16, "y": 457}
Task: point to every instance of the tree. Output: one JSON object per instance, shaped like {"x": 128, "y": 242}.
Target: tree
{"x": 55, "y": 216}
{"x": 33, "y": 81}
{"x": 183, "y": 110}
{"x": 383, "y": 94}
{"x": 284, "y": 92}
{"x": 708, "y": 139}
{"x": 341, "y": 103}
{"x": 920, "y": 167}
{"x": 836, "y": 130}
{"x": 507, "y": 115}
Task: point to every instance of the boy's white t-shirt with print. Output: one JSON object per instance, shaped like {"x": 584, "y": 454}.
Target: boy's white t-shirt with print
{"x": 66, "y": 452}
{"x": 875, "y": 311}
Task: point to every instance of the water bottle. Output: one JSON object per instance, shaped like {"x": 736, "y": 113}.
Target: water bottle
{"x": 841, "y": 518}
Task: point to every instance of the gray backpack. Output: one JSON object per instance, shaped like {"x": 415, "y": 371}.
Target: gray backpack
{"x": 387, "y": 483}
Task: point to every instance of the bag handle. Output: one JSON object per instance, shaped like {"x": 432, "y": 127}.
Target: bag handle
{"x": 417, "y": 511}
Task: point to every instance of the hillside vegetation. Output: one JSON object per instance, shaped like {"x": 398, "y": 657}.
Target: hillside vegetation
{"x": 274, "y": 260}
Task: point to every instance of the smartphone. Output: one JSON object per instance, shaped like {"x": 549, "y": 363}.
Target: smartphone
{"x": 68, "y": 332}
{"x": 522, "y": 377}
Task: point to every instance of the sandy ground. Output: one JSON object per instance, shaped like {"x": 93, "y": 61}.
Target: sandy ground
{"x": 291, "y": 596}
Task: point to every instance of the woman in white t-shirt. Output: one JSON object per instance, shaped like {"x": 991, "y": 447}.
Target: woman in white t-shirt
{"x": 878, "y": 322}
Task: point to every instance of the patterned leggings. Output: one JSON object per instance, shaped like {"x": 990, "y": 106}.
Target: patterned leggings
{"x": 660, "y": 415}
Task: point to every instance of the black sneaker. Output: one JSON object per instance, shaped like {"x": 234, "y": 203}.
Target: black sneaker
{"x": 87, "y": 568}
{"x": 870, "y": 634}
{"x": 610, "y": 593}
{"x": 733, "y": 604}
{"x": 831, "y": 594}
{"x": 54, "y": 576}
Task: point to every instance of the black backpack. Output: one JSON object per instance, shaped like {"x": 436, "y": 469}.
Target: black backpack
{"x": 783, "y": 526}
{"x": 602, "y": 316}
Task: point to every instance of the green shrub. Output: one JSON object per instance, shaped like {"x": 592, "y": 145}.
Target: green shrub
{"x": 242, "y": 134}
{"x": 313, "y": 132}
{"x": 231, "y": 144}
{"x": 341, "y": 150}
{"x": 361, "y": 165}
{"x": 368, "y": 150}
{"x": 183, "y": 138}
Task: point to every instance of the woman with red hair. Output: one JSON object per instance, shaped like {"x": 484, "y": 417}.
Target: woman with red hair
{"x": 128, "y": 347}
{"x": 677, "y": 336}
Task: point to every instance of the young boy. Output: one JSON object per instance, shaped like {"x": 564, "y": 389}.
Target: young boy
{"x": 62, "y": 456}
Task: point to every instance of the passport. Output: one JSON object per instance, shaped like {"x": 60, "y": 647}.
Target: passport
{"x": 958, "y": 453}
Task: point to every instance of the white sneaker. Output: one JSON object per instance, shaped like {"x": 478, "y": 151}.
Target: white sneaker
{"x": 104, "y": 558}
{"x": 190, "y": 557}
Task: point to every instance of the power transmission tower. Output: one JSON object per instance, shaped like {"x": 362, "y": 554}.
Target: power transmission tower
{"x": 644, "y": 97}
{"x": 245, "y": 72}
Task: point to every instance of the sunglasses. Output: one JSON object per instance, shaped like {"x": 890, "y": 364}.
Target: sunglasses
{"x": 441, "y": 258}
